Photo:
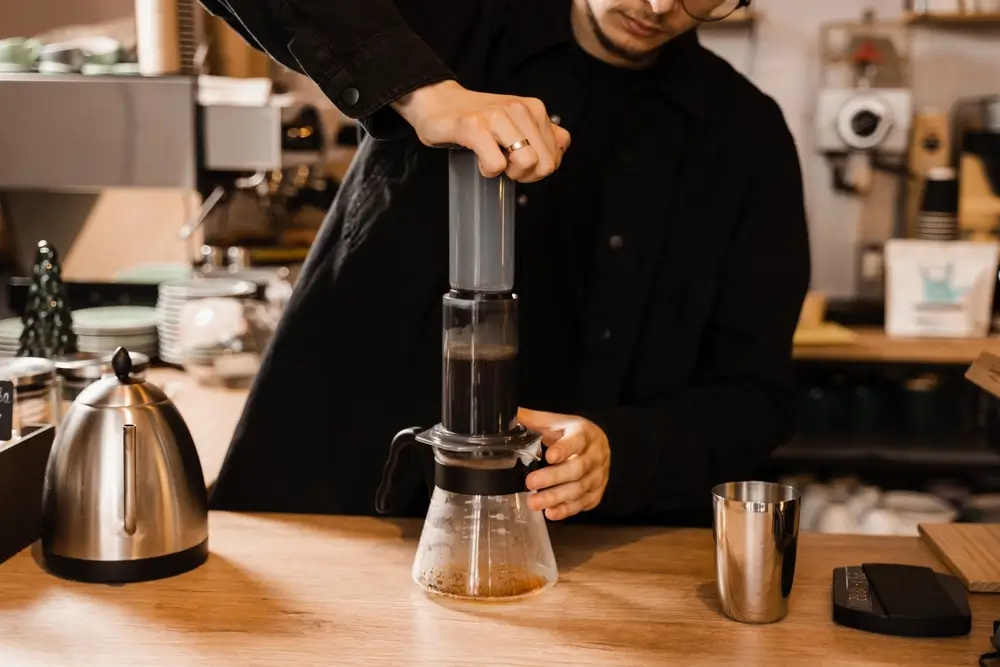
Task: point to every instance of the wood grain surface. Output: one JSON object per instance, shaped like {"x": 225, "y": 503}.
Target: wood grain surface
{"x": 872, "y": 345}
{"x": 970, "y": 550}
{"x": 336, "y": 591}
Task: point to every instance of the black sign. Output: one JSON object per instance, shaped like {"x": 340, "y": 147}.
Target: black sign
{"x": 6, "y": 409}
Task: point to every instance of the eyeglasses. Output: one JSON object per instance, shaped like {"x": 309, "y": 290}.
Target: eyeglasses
{"x": 710, "y": 11}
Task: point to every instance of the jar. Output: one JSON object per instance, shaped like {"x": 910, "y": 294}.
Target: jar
{"x": 78, "y": 371}
{"x": 36, "y": 396}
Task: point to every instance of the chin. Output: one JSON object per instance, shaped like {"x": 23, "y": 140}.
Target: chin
{"x": 638, "y": 48}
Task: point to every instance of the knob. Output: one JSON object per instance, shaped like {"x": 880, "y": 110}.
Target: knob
{"x": 121, "y": 364}
{"x": 865, "y": 123}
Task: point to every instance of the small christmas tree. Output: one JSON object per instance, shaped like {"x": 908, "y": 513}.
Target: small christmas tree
{"x": 48, "y": 319}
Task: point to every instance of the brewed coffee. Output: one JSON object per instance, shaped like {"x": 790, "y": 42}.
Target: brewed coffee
{"x": 483, "y": 547}
{"x": 480, "y": 389}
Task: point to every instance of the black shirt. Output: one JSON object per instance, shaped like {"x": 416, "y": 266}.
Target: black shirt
{"x": 678, "y": 344}
{"x": 614, "y": 101}
{"x": 567, "y": 224}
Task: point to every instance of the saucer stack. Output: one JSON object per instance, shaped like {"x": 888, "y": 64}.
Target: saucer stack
{"x": 173, "y": 296}
{"x": 103, "y": 330}
{"x": 10, "y": 336}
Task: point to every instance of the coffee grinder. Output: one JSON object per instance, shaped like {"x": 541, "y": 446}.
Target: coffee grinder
{"x": 480, "y": 540}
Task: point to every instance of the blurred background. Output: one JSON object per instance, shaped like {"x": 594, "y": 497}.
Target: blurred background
{"x": 148, "y": 145}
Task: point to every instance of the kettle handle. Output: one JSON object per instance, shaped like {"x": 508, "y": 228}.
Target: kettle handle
{"x": 129, "y": 500}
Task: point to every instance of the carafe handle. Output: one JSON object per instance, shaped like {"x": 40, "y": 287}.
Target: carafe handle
{"x": 383, "y": 497}
{"x": 129, "y": 499}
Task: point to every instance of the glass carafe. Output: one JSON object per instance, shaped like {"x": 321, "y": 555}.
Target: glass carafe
{"x": 486, "y": 547}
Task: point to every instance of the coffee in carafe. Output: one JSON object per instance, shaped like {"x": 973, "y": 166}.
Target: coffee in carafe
{"x": 480, "y": 540}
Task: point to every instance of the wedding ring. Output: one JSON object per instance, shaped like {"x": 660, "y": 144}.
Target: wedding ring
{"x": 518, "y": 145}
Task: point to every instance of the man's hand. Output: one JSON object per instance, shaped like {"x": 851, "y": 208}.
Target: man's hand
{"x": 579, "y": 461}
{"x": 447, "y": 114}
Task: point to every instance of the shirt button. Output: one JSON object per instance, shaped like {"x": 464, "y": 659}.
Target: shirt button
{"x": 351, "y": 96}
{"x": 555, "y": 119}
{"x": 522, "y": 200}
{"x": 616, "y": 242}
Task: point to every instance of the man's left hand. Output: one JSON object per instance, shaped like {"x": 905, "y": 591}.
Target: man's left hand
{"x": 579, "y": 461}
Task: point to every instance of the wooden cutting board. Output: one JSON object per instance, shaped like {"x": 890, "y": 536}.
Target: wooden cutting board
{"x": 970, "y": 550}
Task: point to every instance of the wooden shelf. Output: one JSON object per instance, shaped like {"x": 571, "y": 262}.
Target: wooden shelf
{"x": 874, "y": 346}
{"x": 981, "y": 20}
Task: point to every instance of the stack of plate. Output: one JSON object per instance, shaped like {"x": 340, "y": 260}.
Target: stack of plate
{"x": 103, "y": 330}
{"x": 10, "y": 336}
{"x": 173, "y": 296}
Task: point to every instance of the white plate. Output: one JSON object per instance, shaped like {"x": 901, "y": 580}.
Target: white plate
{"x": 115, "y": 341}
{"x": 11, "y": 327}
{"x": 194, "y": 289}
{"x": 114, "y": 320}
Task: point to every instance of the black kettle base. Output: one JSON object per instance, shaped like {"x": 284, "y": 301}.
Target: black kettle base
{"x": 125, "y": 571}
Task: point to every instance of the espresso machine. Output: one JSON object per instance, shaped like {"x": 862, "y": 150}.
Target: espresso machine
{"x": 263, "y": 181}
{"x": 976, "y": 129}
{"x": 480, "y": 540}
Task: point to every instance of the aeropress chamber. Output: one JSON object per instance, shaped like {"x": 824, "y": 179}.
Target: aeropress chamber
{"x": 479, "y": 539}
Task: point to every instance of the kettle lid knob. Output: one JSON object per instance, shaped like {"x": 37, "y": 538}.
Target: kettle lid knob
{"x": 121, "y": 364}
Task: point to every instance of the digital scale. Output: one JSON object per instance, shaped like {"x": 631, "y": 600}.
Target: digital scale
{"x": 900, "y": 600}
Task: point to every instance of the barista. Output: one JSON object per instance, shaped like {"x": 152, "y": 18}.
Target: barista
{"x": 661, "y": 259}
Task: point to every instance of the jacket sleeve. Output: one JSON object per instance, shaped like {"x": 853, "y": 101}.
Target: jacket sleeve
{"x": 363, "y": 54}
{"x": 667, "y": 455}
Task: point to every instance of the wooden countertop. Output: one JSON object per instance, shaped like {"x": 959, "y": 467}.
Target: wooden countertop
{"x": 330, "y": 591}
{"x": 325, "y": 591}
{"x": 873, "y": 345}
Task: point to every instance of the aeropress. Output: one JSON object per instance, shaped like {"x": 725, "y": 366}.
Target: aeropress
{"x": 479, "y": 540}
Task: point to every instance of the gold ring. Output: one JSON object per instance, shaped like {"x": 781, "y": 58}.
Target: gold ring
{"x": 518, "y": 145}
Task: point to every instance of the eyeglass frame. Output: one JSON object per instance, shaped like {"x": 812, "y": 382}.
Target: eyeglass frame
{"x": 742, "y": 4}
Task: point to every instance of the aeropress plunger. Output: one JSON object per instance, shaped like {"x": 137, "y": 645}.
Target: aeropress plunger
{"x": 479, "y": 539}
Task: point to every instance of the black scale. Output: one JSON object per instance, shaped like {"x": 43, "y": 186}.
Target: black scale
{"x": 900, "y": 600}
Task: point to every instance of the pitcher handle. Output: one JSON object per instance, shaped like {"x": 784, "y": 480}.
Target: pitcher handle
{"x": 383, "y": 497}
{"x": 129, "y": 490}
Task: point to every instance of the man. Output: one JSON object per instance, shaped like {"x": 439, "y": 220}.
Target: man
{"x": 661, "y": 256}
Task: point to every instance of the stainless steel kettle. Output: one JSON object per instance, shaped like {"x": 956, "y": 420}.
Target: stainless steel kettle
{"x": 124, "y": 497}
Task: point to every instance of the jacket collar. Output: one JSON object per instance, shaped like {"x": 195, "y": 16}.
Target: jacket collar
{"x": 538, "y": 26}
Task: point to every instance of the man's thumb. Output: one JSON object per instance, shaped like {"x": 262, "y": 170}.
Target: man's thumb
{"x": 546, "y": 423}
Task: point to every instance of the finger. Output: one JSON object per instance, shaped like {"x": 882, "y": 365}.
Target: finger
{"x": 538, "y": 420}
{"x": 573, "y": 443}
{"x": 540, "y": 115}
{"x": 546, "y": 423}
{"x": 520, "y": 163}
{"x": 595, "y": 480}
{"x": 588, "y": 502}
{"x": 562, "y": 138}
{"x": 568, "y": 471}
{"x": 476, "y": 135}
{"x": 538, "y": 134}
{"x": 555, "y": 496}
{"x": 563, "y": 511}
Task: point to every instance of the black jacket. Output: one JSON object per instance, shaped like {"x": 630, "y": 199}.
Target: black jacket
{"x": 683, "y": 345}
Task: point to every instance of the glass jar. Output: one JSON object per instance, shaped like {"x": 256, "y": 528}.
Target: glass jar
{"x": 78, "y": 371}
{"x": 36, "y": 396}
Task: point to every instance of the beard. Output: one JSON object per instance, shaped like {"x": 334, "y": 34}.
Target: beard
{"x": 635, "y": 56}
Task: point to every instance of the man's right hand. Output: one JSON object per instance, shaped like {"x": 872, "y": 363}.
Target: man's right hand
{"x": 446, "y": 113}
